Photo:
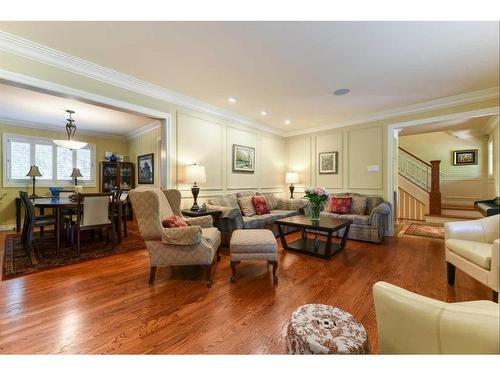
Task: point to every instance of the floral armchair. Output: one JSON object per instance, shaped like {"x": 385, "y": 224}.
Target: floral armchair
{"x": 196, "y": 244}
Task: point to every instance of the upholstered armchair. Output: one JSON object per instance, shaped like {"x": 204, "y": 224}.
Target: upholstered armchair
{"x": 408, "y": 323}
{"x": 196, "y": 244}
{"x": 473, "y": 246}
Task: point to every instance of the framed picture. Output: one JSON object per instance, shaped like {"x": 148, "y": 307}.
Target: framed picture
{"x": 146, "y": 169}
{"x": 243, "y": 159}
{"x": 465, "y": 157}
{"x": 328, "y": 162}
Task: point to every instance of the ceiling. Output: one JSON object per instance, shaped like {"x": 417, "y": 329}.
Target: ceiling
{"x": 36, "y": 108}
{"x": 289, "y": 69}
{"x": 466, "y": 127}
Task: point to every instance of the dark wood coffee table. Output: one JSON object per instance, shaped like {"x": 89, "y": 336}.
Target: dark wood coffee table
{"x": 326, "y": 226}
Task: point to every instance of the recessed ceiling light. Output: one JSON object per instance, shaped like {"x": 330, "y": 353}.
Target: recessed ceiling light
{"x": 341, "y": 92}
{"x": 263, "y": 113}
{"x": 287, "y": 122}
{"x": 232, "y": 99}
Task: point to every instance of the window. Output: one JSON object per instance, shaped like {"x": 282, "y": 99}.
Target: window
{"x": 55, "y": 163}
{"x": 490, "y": 158}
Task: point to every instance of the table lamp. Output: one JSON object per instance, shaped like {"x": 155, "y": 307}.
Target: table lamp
{"x": 75, "y": 174}
{"x": 34, "y": 172}
{"x": 193, "y": 174}
{"x": 292, "y": 178}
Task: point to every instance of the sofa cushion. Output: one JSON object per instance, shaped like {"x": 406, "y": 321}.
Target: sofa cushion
{"x": 330, "y": 214}
{"x": 358, "y": 206}
{"x": 272, "y": 201}
{"x": 371, "y": 203}
{"x": 252, "y": 222}
{"x": 260, "y": 204}
{"x": 478, "y": 253}
{"x": 357, "y": 219}
{"x": 246, "y": 206}
{"x": 242, "y": 194}
{"x": 340, "y": 205}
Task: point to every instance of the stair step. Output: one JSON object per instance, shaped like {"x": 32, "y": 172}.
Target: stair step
{"x": 464, "y": 208}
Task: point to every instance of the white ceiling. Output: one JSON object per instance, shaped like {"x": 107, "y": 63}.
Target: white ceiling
{"x": 289, "y": 69}
{"x": 474, "y": 127}
{"x": 31, "y": 107}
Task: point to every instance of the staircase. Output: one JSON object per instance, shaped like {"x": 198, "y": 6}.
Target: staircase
{"x": 419, "y": 196}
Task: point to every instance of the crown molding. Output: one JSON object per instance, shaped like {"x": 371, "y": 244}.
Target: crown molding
{"x": 42, "y": 126}
{"x": 34, "y": 51}
{"x": 431, "y": 105}
{"x": 142, "y": 130}
{"x": 28, "y": 49}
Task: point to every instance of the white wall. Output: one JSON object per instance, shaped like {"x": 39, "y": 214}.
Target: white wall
{"x": 208, "y": 141}
{"x": 357, "y": 147}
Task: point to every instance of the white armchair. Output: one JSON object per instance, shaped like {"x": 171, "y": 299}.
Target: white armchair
{"x": 473, "y": 246}
{"x": 194, "y": 245}
{"x": 408, "y": 323}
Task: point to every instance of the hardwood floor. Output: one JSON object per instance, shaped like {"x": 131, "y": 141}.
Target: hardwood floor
{"x": 107, "y": 306}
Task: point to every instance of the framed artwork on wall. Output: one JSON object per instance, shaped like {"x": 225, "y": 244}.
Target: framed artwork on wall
{"x": 465, "y": 157}
{"x": 328, "y": 162}
{"x": 145, "y": 169}
{"x": 243, "y": 159}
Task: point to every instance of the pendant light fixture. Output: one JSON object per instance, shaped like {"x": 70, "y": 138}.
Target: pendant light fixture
{"x": 71, "y": 130}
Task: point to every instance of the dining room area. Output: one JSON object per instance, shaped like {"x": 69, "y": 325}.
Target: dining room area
{"x": 67, "y": 169}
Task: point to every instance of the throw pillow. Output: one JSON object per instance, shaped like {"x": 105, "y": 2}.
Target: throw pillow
{"x": 246, "y": 206}
{"x": 272, "y": 201}
{"x": 260, "y": 204}
{"x": 174, "y": 222}
{"x": 358, "y": 206}
{"x": 340, "y": 205}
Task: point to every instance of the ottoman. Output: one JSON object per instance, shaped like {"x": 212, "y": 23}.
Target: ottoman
{"x": 324, "y": 329}
{"x": 253, "y": 244}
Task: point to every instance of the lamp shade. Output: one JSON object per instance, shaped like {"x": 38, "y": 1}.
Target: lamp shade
{"x": 195, "y": 173}
{"x": 34, "y": 172}
{"x": 292, "y": 178}
{"x": 76, "y": 173}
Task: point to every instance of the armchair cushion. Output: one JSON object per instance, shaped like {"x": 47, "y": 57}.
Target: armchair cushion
{"x": 174, "y": 221}
{"x": 182, "y": 236}
{"x": 202, "y": 221}
{"x": 478, "y": 253}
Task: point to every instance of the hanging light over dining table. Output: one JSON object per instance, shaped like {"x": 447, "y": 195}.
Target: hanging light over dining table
{"x": 71, "y": 130}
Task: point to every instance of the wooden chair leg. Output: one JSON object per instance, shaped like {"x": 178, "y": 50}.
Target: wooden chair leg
{"x": 78, "y": 242}
{"x": 495, "y": 296}
{"x": 152, "y": 275}
{"x": 450, "y": 268}
{"x": 274, "y": 263}
{"x": 234, "y": 263}
{"x": 210, "y": 273}
{"x": 112, "y": 235}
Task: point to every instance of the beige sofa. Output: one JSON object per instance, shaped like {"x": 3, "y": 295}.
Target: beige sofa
{"x": 474, "y": 246}
{"x": 371, "y": 225}
{"x": 408, "y": 323}
{"x": 233, "y": 218}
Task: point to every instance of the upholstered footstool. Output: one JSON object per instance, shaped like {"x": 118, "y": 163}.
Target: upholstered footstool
{"x": 324, "y": 329}
{"x": 253, "y": 244}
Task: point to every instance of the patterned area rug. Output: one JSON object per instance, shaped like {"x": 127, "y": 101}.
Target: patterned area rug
{"x": 425, "y": 230}
{"x": 16, "y": 263}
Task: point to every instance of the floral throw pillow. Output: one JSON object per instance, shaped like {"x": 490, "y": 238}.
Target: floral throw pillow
{"x": 260, "y": 204}
{"x": 174, "y": 222}
{"x": 340, "y": 205}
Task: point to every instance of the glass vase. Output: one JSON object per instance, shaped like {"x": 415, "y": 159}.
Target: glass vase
{"x": 315, "y": 211}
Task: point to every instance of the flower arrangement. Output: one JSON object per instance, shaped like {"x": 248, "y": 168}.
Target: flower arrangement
{"x": 317, "y": 197}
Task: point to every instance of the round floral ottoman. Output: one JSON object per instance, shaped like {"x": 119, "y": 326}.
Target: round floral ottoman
{"x": 324, "y": 329}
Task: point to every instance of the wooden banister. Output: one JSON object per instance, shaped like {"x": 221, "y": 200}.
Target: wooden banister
{"x": 415, "y": 157}
{"x": 435, "y": 193}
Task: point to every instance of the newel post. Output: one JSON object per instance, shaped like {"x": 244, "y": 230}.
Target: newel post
{"x": 435, "y": 193}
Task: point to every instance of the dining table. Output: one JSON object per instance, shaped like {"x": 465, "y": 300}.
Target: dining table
{"x": 58, "y": 204}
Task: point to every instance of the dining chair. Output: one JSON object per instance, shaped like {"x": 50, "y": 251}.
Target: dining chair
{"x": 118, "y": 197}
{"x": 31, "y": 221}
{"x": 92, "y": 212}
